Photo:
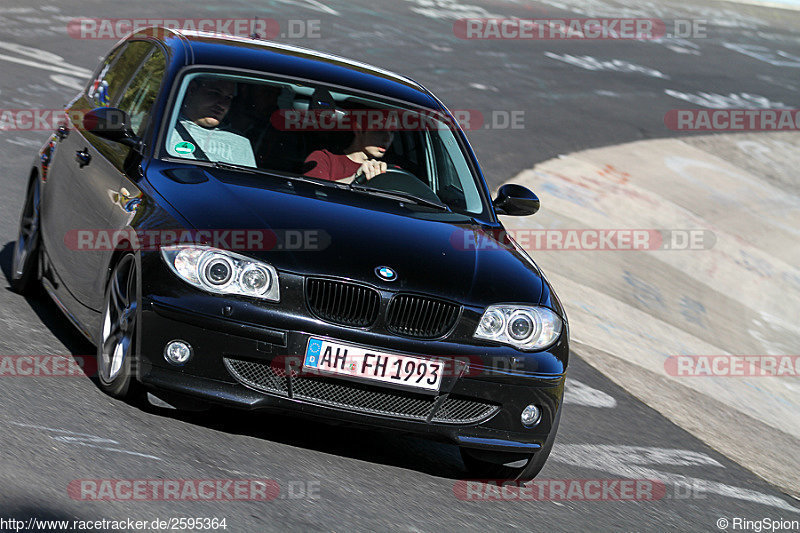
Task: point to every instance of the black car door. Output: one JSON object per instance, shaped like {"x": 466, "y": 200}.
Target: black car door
{"x": 83, "y": 185}
{"x": 137, "y": 101}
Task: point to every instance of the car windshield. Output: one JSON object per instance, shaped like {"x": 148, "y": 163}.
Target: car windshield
{"x": 323, "y": 133}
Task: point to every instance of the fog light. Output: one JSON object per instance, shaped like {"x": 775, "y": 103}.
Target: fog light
{"x": 177, "y": 352}
{"x": 531, "y": 416}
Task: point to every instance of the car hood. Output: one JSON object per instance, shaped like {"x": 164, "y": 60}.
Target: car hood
{"x": 328, "y": 232}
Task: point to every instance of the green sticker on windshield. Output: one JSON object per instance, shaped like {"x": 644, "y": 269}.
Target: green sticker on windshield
{"x": 184, "y": 148}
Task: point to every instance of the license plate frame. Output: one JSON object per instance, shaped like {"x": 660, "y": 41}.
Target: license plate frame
{"x": 383, "y": 365}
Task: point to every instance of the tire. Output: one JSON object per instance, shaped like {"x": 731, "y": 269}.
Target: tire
{"x": 25, "y": 259}
{"x": 116, "y": 346}
{"x": 486, "y": 465}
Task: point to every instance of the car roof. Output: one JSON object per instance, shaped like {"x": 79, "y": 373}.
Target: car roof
{"x": 203, "y": 48}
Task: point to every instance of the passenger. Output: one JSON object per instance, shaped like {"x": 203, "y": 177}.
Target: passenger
{"x": 198, "y": 134}
{"x": 362, "y": 156}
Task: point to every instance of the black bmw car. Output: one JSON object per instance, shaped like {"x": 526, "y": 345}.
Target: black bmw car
{"x": 266, "y": 227}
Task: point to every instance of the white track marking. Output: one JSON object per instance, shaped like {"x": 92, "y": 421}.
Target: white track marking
{"x": 449, "y": 9}
{"x": 733, "y": 100}
{"x": 779, "y": 4}
{"x": 68, "y": 81}
{"x": 22, "y": 141}
{"x": 54, "y": 430}
{"x": 312, "y": 4}
{"x": 65, "y": 69}
{"x": 628, "y": 461}
{"x": 777, "y": 58}
{"x": 78, "y": 440}
{"x": 119, "y": 450}
{"x": 16, "y": 10}
{"x": 84, "y": 439}
{"x": 579, "y": 393}
{"x": 34, "y": 57}
{"x": 612, "y": 65}
{"x": 33, "y": 53}
{"x": 728, "y": 18}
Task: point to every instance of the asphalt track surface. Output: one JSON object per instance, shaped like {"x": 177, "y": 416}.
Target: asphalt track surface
{"x": 56, "y": 430}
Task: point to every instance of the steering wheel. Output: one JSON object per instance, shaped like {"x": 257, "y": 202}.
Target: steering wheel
{"x": 397, "y": 179}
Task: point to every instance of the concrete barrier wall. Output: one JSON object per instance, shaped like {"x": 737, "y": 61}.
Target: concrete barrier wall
{"x": 734, "y": 291}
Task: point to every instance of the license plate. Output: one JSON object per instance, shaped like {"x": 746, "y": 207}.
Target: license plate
{"x": 355, "y": 361}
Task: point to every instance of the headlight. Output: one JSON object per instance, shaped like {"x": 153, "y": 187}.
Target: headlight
{"x": 524, "y": 327}
{"x": 222, "y": 272}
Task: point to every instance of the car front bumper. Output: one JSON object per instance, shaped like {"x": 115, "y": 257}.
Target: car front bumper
{"x": 243, "y": 352}
{"x": 245, "y": 366}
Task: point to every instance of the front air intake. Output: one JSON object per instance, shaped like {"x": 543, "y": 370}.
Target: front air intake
{"x": 341, "y": 302}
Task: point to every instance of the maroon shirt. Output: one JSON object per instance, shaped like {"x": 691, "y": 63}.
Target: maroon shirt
{"x": 331, "y": 166}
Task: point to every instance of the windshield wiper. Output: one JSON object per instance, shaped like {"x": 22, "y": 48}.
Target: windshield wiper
{"x": 294, "y": 177}
{"x": 222, "y": 165}
{"x": 396, "y": 195}
{"x": 233, "y": 166}
{"x": 400, "y": 195}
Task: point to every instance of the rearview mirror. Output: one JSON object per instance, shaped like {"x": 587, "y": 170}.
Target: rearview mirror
{"x": 515, "y": 200}
{"x": 112, "y": 124}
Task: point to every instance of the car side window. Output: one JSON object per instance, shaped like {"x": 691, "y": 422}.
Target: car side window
{"x": 444, "y": 166}
{"x": 117, "y": 69}
{"x": 140, "y": 94}
{"x": 107, "y": 90}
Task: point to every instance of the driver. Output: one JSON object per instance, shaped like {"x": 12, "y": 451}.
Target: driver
{"x": 198, "y": 134}
{"x": 362, "y": 156}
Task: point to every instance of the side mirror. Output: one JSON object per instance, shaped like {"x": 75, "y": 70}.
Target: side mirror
{"x": 112, "y": 124}
{"x": 515, "y": 200}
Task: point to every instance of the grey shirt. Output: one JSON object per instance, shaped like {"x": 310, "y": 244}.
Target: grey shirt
{"x": 218, "y": 145}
